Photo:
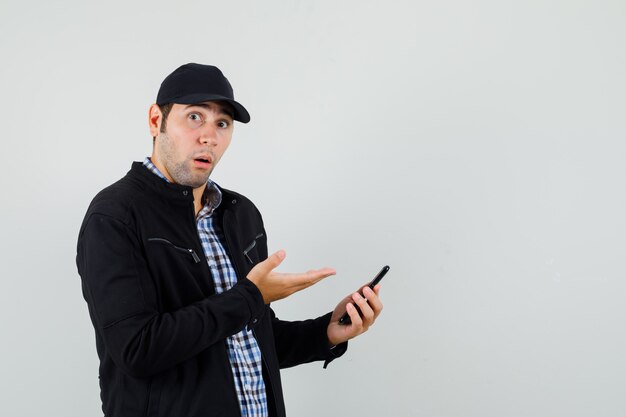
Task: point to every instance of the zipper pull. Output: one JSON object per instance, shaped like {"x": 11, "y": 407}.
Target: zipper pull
{"x": 194, "y": 255}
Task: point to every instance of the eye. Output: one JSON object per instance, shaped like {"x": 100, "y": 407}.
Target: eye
{"x": 195, "y": 120}
{"x": 223, "y": 124}
{"x": 195, "y": 117}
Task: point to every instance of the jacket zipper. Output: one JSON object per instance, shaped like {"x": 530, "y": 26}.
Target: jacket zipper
{"x": 227, "y": 245}
{"x": 264, "y": 363}
{"x": 250, "y": 247}
{"x": 193, "y": 253}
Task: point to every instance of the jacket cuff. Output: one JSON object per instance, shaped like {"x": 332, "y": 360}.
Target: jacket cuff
{"x": 330, "y": 352}
{"x": 254, "y": 298}
{"x": 335, "y": 352}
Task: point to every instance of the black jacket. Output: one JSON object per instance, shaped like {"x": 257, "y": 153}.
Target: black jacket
{"x": 160, "y": 327}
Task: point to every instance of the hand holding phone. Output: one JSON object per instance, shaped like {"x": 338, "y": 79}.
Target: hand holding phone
{"x": 345, "y": 319}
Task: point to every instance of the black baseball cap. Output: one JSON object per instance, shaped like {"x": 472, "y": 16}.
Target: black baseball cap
{"x": 196, "y": 83}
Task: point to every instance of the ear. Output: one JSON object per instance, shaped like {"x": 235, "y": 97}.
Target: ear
{"x": 155, "y": 118}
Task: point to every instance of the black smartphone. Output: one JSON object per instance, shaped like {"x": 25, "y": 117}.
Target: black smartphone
{"x": 345, "y": 319}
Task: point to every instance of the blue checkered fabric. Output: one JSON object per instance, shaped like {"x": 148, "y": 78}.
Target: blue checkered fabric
{"x": 243, "y": 350}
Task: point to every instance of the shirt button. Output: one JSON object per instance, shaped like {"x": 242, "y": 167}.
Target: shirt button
{"x": 185, "y": 192}
{"x": 255, "y": 320}
{"x": 234, "y": 201}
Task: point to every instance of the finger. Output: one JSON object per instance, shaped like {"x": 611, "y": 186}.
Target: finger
{"x": 319, "y": 274}
{"x": 276, "y": 259}
{"x": 309, "y": 278}
{"x": 355, "y": 317}
{"x": 374, "y": 301}
{"x": 366, "y": 311}
{"x": 271, "y": 263}
{"x": 367, "y": 286}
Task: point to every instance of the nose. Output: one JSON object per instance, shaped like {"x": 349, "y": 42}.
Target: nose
{"x": 208, "y": 134}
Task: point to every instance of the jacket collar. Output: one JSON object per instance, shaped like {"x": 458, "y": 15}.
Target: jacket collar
{"x": 174, "y": 192}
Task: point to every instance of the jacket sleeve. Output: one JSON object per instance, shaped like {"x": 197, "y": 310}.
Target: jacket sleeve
{"x": 123, "y": 304}
{"x": 304, "y": 341}
{"x": 299, "y": 342}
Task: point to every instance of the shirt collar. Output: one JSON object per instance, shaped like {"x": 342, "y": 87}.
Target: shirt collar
{"x": 211, "y": 199}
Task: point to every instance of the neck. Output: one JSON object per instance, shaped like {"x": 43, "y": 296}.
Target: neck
{"x": 197, "y": 198}
{"x": 197, "y": 192}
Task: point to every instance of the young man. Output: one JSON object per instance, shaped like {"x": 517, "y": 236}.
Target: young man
{"x": 178, "y": 281}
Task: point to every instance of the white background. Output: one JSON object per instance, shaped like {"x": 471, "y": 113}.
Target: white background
{"x": 476, "y": 147}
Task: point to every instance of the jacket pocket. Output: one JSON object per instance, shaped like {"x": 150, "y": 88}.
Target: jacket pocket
{"x": 250, "y": 252}
{"x": 192, "y": 253}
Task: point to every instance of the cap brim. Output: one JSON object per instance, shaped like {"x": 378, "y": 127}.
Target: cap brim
{"x": 241, "y": 114}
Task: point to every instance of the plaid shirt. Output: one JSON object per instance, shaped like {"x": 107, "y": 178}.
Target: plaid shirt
{"x": 243, "y": 350}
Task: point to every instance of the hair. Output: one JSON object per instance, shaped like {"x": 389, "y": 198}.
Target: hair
{"x": 165, "y": 111}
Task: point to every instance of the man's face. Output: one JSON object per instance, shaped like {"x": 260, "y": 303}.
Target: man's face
{"x": 195, "y": 138}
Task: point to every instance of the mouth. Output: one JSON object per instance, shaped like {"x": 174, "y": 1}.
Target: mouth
{"x": 203, "y": 162}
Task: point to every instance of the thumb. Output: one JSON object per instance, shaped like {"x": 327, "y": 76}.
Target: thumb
{"x": 275, "y": 259}
{"x": 271, "y": 263}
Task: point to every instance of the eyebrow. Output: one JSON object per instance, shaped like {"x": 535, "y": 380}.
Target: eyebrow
{"x": 221, "y": 108}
